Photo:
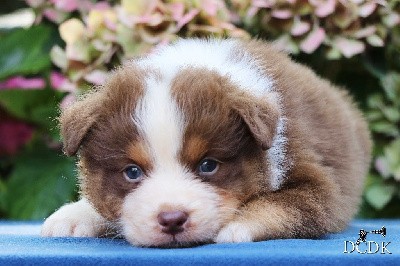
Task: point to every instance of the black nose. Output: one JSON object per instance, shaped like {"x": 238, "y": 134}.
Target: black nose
{"x": 172, "y": 222}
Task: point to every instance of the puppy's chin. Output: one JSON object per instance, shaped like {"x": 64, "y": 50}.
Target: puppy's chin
{"x": 207, "y": 209}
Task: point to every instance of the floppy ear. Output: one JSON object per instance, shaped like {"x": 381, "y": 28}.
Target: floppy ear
{"x": 261, "y": 116}
{"x": 76, "y": 120}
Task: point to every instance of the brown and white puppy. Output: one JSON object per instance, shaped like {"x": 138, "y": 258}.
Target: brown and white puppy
{"x": 216, "y": 140}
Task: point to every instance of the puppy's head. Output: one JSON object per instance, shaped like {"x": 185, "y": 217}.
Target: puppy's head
{"x": 170, "y": 157}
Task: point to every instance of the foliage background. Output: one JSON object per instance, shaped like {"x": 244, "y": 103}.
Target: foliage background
{"x": 72, "y": 45}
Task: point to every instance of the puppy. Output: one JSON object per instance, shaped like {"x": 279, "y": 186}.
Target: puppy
{"x": 213, "y": 141}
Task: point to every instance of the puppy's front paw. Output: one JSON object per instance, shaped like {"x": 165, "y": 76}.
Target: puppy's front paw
{"x": 77, "y": 219}
{"x": 234, "y": 232}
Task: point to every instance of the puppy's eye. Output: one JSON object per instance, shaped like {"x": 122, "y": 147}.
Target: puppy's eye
{"x": 208, "y": 167}
{"x": 133, "y": 173}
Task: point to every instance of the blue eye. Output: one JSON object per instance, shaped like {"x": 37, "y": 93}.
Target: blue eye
{"x": 133, "y": 173}
{"x": 208, "y": 167}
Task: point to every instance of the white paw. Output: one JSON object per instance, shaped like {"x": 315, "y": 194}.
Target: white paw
{"x": 234, "y": 232}
{"x": 77, "y": 219}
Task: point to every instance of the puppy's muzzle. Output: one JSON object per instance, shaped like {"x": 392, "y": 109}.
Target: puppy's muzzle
{"x": 172, "y": 222}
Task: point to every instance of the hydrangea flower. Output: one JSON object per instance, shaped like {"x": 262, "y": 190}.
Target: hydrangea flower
{"x": 346, "y": 28}
{"x": 104, "y": 35}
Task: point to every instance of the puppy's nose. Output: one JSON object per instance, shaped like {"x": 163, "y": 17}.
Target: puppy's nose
{"x": 172, "y": 222}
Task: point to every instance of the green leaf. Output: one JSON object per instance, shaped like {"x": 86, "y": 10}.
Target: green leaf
{"x": 41, "y": 181}
{"x": 385, "y": 128}
{"x": 391, "y": 113}
{"x": 379, "y": 195}
{"x": 373, "y": 115}
{"x": 36, "y": 106}
{"x": 25, "y": 51}
{"x": 375, "y": 101}
{"x": 2, "y": 196}
{"x": 392, "y": 151}
{"x": 333, "y": 54}
{"x": 375, "y": 40}
{"x": 392, "y": 156}
{"x": 391, "y": 85}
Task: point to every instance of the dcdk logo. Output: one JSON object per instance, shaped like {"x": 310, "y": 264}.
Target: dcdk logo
{"x": 368, "y": 247}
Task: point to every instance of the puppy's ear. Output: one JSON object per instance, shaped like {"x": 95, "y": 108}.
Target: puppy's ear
{"x": 261, "y": 116}
{"x": 76, "y": 120}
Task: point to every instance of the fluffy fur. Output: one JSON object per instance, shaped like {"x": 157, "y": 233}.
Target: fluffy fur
{"x": 293, "y": 149}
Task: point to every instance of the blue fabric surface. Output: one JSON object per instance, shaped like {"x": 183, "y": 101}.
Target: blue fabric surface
{"x": 21, "y": 244}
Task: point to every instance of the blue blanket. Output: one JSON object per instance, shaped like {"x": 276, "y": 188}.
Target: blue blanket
{"x": 20, "y": 243}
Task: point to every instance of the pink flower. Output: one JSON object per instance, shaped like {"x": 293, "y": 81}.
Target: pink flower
{"x": 14, "y": 134}
{"x": 365, "y": 32}
{"x": 54, "y": 15}
{"x": 66, "y": 5}
{"x": 67, "y": 101}
{"x": 57, "y": 79}
{"x": 391, "y": 19}
{"x": 102, "y": 5}
{"x": 313, "y": 41}
{"x": 59, "y": 82}
{"x": 210, "y": 7}
{"x": 282, "y": 14}
{"x": 177, "y": 10}
{"x": 252, "y": 11}
{"x": 325, "y": 8}
{"x": 299, "y": 27}
{"x": 367, "y": 9}
{"x": 349, "y": 47}
{"x": 96, "y": 77}
{"x": 261, "y": 3}
{"x": 186, "y": 18}
{"x": 19, "y": 82}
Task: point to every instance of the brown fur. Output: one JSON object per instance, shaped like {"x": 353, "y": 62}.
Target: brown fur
{"x": 224, "y": 118}
{"x": 328, "y": 142}
{"x": 104, "y": 156}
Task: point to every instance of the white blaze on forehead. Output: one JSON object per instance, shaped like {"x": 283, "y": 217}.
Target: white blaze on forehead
{"x": 163, "y": 124}
{"x": 226, "y": 57}
{"x": 160, "y": 122}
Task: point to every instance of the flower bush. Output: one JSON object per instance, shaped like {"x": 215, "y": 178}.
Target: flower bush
{"x": 345, "y": 28}
{"x": 104, "y": 35}
{"x": 73, "y": 44}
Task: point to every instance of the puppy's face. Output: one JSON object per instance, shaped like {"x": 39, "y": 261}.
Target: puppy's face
{"x": 171, "y": 159}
